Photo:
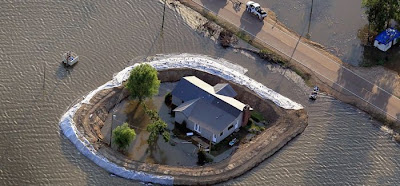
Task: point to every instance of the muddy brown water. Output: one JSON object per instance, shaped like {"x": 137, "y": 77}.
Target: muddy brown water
{"x": 341, "y": 145}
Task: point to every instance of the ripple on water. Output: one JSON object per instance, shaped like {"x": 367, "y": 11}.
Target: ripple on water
{"x": 339, "y": 146}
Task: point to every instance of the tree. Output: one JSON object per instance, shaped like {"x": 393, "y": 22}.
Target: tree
{"x": 380, "y": 12}
{"x": 143, "y": 82}
{"x": 156, "y": 128}
{"x": 123, "y": 136}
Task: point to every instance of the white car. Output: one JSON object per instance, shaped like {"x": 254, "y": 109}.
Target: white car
{"x": 255, "y": 9}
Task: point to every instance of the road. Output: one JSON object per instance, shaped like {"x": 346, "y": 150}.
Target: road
{"x": 329, "y": 71}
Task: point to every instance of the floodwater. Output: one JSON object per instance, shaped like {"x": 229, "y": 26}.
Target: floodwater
{"x": 340, "y": 146}
{"x": 334, "y": 24}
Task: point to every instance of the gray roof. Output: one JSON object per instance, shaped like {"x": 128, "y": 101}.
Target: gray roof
{"x": 211, "y": 117}
{"x": 224, "y": 89}
{"x": 191, "y": 87}
{"x": 188, "y": 89}
{"x": 186, "y": 107}
{"x": 213, "y": 108}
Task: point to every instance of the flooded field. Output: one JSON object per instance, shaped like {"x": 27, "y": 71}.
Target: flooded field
{"x": 340, "y": 146}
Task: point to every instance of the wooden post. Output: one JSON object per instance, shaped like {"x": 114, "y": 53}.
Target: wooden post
{"x": 209, "y": 152}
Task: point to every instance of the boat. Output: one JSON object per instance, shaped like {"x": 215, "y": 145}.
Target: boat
{"x": 314, "y": 93}
{"x": 69, "y": 58}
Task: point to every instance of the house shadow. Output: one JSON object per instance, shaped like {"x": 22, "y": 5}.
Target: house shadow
{"x": 214, "y": 5}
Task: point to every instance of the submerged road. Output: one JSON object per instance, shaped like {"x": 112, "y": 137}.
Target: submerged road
{"x": 328, "y": 71}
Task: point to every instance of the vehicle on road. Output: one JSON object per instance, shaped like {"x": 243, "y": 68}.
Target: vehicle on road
{"x": 314, "y": 93}
{"x": 255, "y": 9}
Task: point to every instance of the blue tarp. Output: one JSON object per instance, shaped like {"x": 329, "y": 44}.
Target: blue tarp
{"x": 387, "y": 36}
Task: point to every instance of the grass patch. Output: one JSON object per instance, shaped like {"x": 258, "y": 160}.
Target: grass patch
{"x": 253, "y": 128}
{"x": 256, "y": 116}
{"x": 244, "y": 36}
{"x": 272, "y": 56}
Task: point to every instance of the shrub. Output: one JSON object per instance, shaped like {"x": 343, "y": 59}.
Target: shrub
{"x": 123, "y": 136}
{"x": 202, "y": 158}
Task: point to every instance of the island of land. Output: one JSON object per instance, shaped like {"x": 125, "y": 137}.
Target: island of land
{"x": 87, "y": 119}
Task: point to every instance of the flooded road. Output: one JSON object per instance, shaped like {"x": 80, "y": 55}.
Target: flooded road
{"x": 334, "y": 24}
{"x": 341, "y": 145}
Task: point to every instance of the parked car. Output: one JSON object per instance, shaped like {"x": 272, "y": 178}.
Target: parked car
{"x": 255, "y": 9}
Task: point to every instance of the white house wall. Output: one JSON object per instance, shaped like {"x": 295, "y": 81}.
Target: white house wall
{"x": 229, "y": 132}
{"x": 179, "y": 117}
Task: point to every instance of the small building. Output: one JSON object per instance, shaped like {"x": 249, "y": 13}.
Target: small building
{"x": 386, "y": 39}
{"x": 210, "y": 111}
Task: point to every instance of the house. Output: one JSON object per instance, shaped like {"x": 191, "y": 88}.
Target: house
{"x": 210, "y": 111}
{"x": 387, "y": 39}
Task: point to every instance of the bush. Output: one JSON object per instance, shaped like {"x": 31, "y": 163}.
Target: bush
{"x": 202, "y": 158}
{"x": 168, "y": 99}
{"x": 256, "y": 116}
{"x": 123, "y": 136}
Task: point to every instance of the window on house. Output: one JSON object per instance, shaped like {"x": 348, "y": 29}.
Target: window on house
{"x": 197, "y": 128}
{"x": 230, "y": 127}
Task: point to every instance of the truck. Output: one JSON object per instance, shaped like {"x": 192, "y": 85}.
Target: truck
{"x": 255, "y": 9}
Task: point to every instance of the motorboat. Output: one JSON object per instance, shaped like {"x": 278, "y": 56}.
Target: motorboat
{"x": 69, "y": 58}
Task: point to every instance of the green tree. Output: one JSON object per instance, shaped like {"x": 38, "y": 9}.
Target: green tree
{"x": 123, "y": 136}
{"x": 380, "y": 12}
{"x": 143, "y": 82}
{"x": 156, "y": 128}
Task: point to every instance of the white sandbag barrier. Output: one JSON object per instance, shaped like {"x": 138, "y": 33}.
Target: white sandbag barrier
{"x": 218, "y": 67}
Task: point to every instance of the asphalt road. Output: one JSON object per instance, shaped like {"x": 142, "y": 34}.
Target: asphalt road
{"x": 331, "y": 72}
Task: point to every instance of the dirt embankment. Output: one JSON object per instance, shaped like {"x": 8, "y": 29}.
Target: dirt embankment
{"x": 284, "y": 125}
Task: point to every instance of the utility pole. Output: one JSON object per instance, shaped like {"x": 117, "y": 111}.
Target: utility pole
{"x": 163, "y": 16}
{"x": 112, "y": 123}
{"x": 309, "y": 20}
